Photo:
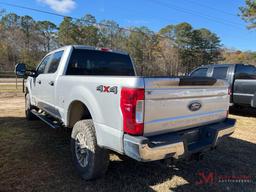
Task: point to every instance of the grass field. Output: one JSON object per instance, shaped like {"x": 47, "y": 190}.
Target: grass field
{"x": 8, "y": 85}
{"x": 34, "y": 157}
{"x": 10, "y": 88}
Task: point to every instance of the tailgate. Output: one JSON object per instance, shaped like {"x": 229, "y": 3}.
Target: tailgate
{"x": 173, "y": 104}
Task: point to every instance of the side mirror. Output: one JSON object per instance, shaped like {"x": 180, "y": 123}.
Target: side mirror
{"x": 20, "y": 70}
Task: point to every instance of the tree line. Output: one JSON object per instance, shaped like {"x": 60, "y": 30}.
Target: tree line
{"x": 173, "y": 50}
{"x": 236, "y": 56}
{"x": 248, "y": 13}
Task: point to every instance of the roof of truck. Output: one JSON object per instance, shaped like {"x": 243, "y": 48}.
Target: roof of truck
{"x": 224, "y": 65}
{"x": 99, "y": 49}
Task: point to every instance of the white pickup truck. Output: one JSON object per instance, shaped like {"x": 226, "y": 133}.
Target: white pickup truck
{"x": 97, "y": 93}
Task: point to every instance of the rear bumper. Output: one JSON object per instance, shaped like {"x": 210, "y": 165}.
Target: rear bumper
{"x": 178, "y": 144}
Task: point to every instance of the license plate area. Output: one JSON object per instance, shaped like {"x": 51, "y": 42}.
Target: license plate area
{"x": 198, "y": 138}
{"x": 192, "y": 137}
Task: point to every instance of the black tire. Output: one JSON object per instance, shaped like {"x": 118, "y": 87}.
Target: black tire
{"x": 91, "y": 161}
{"x": 28, "y": 107}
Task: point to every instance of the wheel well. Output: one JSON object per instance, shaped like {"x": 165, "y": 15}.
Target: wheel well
{"x": 77, "y": 111}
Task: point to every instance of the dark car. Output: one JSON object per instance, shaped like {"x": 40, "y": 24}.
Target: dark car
{"x": 241, "y": 77}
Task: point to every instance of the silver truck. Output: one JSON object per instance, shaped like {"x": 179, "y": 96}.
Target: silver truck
{"x": 96, "y": 93}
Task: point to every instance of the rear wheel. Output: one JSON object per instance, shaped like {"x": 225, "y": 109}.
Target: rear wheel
{"x": 28, "y": 107}
{"x": 91, "y": 161}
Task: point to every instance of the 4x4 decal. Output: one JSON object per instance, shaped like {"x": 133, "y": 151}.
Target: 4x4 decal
{"x": 107, "y": 89}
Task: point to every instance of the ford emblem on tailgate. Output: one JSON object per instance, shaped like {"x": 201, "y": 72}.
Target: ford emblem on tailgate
{"x": 194, "y": 106}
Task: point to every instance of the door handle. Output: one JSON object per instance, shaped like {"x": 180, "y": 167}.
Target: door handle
{"x": 51, "y": 83}
{"x": 39, "y": 82}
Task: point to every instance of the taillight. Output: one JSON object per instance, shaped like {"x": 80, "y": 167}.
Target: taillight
{"x": 132, "y": 106}
{"x": 229, "y": 91}
{"x": 229, "y": 94}
{"x": 105, "y": 49}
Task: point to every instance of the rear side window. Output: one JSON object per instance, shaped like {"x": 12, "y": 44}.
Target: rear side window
{"x": 220, "y": 72}
{"x": 93, "y": 62}
{"x": 54, "y": 63}
{"x": 202, "y": 72}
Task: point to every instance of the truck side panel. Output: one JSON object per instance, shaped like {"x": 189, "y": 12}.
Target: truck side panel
{"x": 103, "y": 104}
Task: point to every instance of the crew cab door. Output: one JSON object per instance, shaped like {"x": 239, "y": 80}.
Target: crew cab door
{"x": 36, "y": 82}
{"x": 46, "y": 80}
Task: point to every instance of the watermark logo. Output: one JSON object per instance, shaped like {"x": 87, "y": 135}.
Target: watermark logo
{"x": 212, "y": 178}
{"x": 205, "y": 178}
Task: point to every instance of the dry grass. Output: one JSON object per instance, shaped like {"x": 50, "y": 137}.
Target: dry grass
{"x": 34, "y": 157}
{"x": 10, "y": 88}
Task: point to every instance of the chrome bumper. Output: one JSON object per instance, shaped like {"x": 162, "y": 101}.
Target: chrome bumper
{"x": 178, "y": 144}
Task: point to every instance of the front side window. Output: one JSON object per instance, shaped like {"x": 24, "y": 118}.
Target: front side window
{"x": 202, "y": 72}
{"x": 43, "y": 64}
{"x": 54, "y": 63}
{"x": 94, "y": 62}
{"x": 220, "y": 72}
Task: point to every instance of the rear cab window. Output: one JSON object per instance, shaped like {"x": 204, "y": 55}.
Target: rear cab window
{"x": 94, "y": 62}
{"x": 220, "y": 72}
{"x": 202, "y": 72}
{"x": 245, "y": 72}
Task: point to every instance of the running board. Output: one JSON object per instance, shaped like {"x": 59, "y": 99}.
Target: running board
{"x": 52, "y": 124}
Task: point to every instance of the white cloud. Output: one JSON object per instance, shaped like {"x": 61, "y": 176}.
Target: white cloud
{"x": 61, "y": 6}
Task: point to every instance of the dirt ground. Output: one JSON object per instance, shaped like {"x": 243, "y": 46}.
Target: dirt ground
{"x": 34, "y": 157}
